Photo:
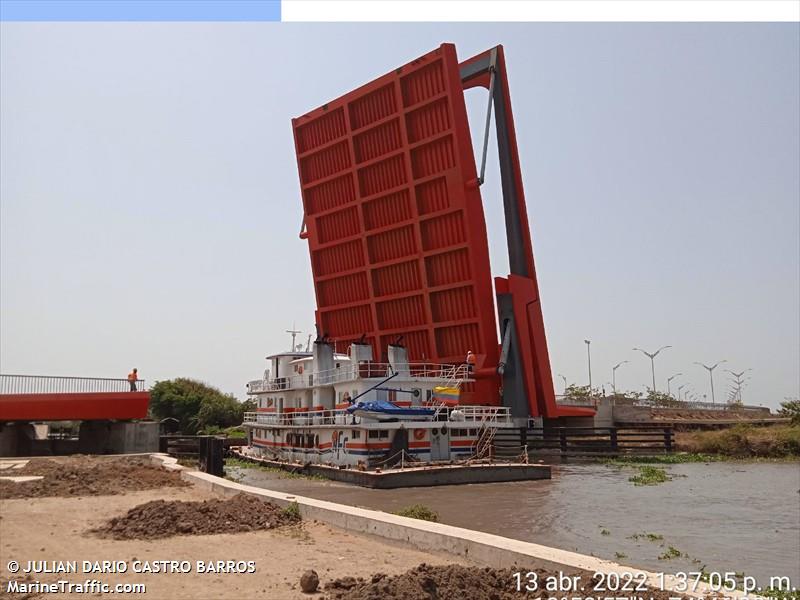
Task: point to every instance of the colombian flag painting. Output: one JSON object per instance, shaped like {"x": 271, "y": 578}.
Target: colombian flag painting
{"x": 446, "y": 395}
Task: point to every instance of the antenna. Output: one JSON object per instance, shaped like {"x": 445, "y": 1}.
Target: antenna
{"x": 294, "y": 333}
{"x": 308, "y": 343}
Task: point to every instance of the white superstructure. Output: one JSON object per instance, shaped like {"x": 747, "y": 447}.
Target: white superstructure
{"x": 346, "y": 409}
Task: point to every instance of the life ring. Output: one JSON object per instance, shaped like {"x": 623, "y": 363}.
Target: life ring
{"x": 419, "y": 434}
{"x": 300, "y": 369}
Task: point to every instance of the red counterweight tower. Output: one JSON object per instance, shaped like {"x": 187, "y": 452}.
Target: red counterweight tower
{"x": 396, "y": 230}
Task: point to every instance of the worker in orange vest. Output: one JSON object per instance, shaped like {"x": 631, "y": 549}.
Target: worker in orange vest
{"x": 133, "y": 377}
{"x": 471, "y": 360}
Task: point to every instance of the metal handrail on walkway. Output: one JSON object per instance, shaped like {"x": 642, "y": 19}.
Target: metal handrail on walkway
{"x": 52, "y": 384}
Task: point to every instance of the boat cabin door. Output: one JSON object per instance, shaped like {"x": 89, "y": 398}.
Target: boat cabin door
{"x": 440, "y": 443}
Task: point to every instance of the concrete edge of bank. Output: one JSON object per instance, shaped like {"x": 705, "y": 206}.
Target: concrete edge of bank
{"x": 485, "y": 548}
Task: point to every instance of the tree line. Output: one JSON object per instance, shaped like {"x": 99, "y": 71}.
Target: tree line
{"x": 197, "y": 407}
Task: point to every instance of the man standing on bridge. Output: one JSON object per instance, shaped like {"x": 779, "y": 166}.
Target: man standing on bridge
{"x": 471, "y": 360}
{"x": 133, "y": 377}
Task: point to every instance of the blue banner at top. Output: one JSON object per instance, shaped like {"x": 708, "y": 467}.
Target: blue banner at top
{"x": 140, "y": 10}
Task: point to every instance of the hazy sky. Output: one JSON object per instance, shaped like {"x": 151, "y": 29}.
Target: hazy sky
{"x": 150, "y": 202}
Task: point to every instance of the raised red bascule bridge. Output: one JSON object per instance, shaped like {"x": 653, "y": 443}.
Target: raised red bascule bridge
{"x": 396, "y": 232}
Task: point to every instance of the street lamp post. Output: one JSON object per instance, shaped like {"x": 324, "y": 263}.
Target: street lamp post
{"x": 680, "y": 387}
{"x": 565, "y": 382}
{"x": 652, "y": 357}
{"x": 614, "y": 375}
{"x": 711, "y": 376}
{"x": 669, "y": 379}
{"x": 739, "y": 381}
{"x": 589, "y": 356}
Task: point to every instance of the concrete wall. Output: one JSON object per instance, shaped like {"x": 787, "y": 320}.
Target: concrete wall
{"x": 631, "y": 414}
{"x": 103, "y": 437}
{"x": 604, "y": 417}
{"x": 483, "y": 548}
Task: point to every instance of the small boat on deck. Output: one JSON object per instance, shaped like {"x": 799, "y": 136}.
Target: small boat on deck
{"x": 383, "y": 410}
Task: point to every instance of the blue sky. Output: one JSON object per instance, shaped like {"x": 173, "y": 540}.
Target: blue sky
{"x": 149, "y": 199}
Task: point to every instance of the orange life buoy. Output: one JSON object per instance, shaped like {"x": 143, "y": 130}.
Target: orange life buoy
{"x": 334, "y": 437}
{"x": 300, "y": 369}
{"x": 419, "y": 434}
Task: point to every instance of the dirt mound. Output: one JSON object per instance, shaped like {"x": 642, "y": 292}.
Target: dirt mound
{"x": 26, "y": 579}
{"x": 447, "y": 582}
{"x": 88, "y": 476}
{"x": 160, "y": 519}
{"x": 457, "y": 582}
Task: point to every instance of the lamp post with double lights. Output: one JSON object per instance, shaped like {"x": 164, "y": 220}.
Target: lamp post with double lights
{"x": 652, "y": 357}
{"x": 711, "y": 376}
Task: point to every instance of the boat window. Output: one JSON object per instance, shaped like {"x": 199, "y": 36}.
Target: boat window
{"x": 355, "y": 434}
{"x": 428, "y": 395}
{"x": 374, "y": 434}
{"x": 473, "y": 432}
{"x": 384, "y": 434}
{"x": 289, "y": 438}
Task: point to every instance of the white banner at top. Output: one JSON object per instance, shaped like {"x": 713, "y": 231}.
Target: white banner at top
{"x": 539, "y": 10}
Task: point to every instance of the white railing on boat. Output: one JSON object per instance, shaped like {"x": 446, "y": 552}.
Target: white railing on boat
{"x": 459, "y": 414}
{"x": 308, "y": 417}
{"x": 450, "y": 375}
{"x": 258, "y": 386}
{"x": 498, "y": 414}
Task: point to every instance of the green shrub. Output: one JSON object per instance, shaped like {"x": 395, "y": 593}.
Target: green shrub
{"x": 747, "y": 441}
{"x": 292, "y": 511}
{"x": 791, "y": 409}
{"x": 788, "y": 441}
{"x": 418, "y": 511}
{"x": 235, "y": 432}
{"x": 196, "y": 406}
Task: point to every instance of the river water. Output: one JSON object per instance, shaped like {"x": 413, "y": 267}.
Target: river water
{"x": 726, "y": 516}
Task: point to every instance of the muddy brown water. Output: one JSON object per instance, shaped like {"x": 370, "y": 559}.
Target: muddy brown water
{"x": 726, "y": 516}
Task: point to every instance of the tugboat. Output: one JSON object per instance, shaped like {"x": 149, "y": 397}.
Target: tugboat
{"x": 347, "y": 410}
